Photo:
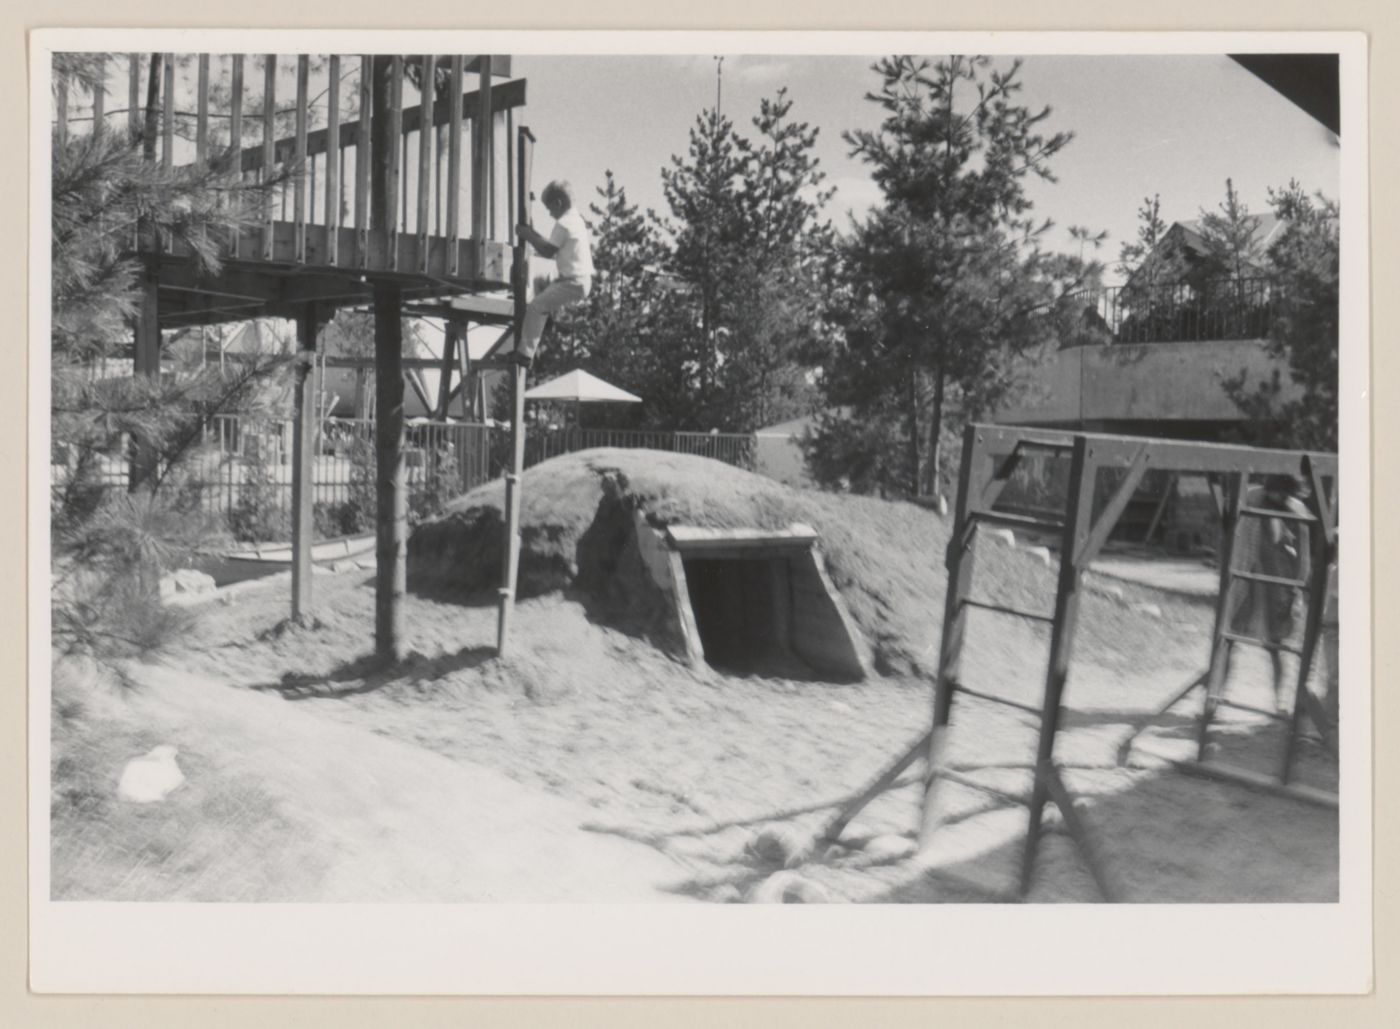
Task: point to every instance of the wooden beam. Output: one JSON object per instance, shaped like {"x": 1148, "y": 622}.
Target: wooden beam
{"x": 303, "y": 461}
{"x": 1088, "y": 548}
{"x": 299, "y": 186}
{"x": 364, "y": 161}
{"x": 449, "y": 363}
{"x": 393, "y": 158}
{"x": 235, "y": 138}
{"x": 268, "y": 140}
{"x": 167, "y": 152}
{"x": 425, "y": 155}
{"x": 454, "y": 156}
{"x": 333, "y": 166}
{"x": 1222, "y": 772}
{"x": 99, "y": 98}
{"x": 483, "y": 160}
{"x": 133, "y": 100}
{"x": 201, "y": 125}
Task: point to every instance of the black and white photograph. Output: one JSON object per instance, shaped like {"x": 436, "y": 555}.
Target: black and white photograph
{"x": 639, "y": 475}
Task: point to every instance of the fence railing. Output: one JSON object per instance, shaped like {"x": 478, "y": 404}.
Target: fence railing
{"x": 1179, "y": 312}
{"x": 243, "y": 470}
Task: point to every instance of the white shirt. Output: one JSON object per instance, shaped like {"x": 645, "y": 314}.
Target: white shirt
{"x": 575, "y": 256}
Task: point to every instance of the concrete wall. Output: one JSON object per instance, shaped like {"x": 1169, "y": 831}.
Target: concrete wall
{"x": 1141, "y": 382}
{"x": 823, "y": 634}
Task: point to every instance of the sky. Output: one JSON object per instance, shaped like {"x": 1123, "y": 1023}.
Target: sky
{"x": 1173, "y": 125}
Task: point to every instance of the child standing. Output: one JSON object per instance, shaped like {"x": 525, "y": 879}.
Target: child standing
{"x": 569, "y": 246}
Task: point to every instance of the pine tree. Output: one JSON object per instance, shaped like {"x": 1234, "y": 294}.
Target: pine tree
{"x": 949, "y": 279}
{"x": 107, "y": 545}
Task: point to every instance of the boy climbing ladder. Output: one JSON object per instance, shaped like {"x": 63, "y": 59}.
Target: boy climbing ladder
{"x": 569, "y": 246}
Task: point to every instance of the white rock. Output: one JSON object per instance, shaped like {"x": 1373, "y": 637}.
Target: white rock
{"x": 1004, "y": 536}
{"x": 186, "y": 580}
{"x": 151, "y": 778}
{"x": 1151, "y": 610}
{"x": 788, "y": 888}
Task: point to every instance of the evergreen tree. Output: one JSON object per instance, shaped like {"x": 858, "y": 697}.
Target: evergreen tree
{"x": 1304, "y": 280}
{"x": 108, "y": 546}
{"x": 949, "y": 281}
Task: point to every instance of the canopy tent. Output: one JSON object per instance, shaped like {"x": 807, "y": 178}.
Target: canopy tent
{"x": 579, "y": 388}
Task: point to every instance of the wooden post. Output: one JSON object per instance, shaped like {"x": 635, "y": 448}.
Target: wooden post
{"x": 454, "y": 166}
{"x": 201, "y": 127}
{"x": 1083, "y": 472}
{"x": 482, "y": 160}
{"x": 99, "y": 99}
{"x": 425, "y": 159}
{"x": 333, "y": 154}
{"x": 269, "y": 142}
{"x": 392, "y": 155}
{"x": 451, "y": 331}
{"x": 391, "y": 519}
{"x": 167, "y": 151}
{"x": 299, "y": 187}
{"x": 303, "y": 461}
{"x": 235, "y": 135}
{"x": 133, "y": 100}
{"x": 364, "y": 150}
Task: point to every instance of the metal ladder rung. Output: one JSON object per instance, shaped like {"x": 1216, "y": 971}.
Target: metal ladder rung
{"x": 1271, "y": 579}
{"x": 1015, "y": 521}
{"x": 993, "y": 698}
{"x": 1236, "y": 637}
{"x": 1269, "y": 512}
{"x": 1007, "y": 610}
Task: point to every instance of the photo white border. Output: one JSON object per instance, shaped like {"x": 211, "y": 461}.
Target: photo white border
{"x": 877, "y": 950}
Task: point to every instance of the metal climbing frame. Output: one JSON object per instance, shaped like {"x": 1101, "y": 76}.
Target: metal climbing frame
{"x": 990, "y": 455}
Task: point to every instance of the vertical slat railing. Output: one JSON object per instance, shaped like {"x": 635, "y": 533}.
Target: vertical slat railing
{"x": 235, "y": 131}
{"x": 510, "y": 177}
{"x": 99, "y": 98}
{"x": 269, "y": 141}
{"x": 425, "y": 157}
{"x": 201, "y": 124}
{"x": 481, "y": 155}
{"x": 299, "y": 185}
{"x": 167, "y": 151}
{"x": 61, "y": 111}
{"x": 395, "y": 157}
{"x": 333, "y": 152}
{"x": 454, "y": 164}
{"x": 133, "y": 88}
{"x": 362, "y": 163}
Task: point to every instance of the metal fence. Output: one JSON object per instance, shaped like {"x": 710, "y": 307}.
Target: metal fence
{"x": 1180, "y": 312}
{"x": 242, "y": 472}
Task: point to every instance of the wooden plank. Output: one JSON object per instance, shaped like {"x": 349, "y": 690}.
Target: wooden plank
{"x": 696, "y": 538}
{"x": 167, "y": 150}
{"x": 510, "y": 176}
{"x": 1222, "y": 772}
{"x": 299, "y": 204}
{"x": 99, "y": 98}
{"x": 61, "y": 111}
{"x": 1081, "y": 828}
{"x": 394, "y": 158}
{"x": 511, "y": 551}
{"x": 333, "y": 163}
{"x": 1089, "y": 548}
{"x": 1077, "y": 526}
{"x": 451, "y": 331}
{"x": 1219, "y": 645}
{"x": 363, "y": 161}
{"x": 392, "y": 515}
{"x": 268, "y": 140}
{"x": 831, "y": 829}
{"x": 425, "y": 154}
{"x": 482, "y": 159}
{"x": 201, "y": 125}
{"x": 454, "y": 156}
{"x": 133, "y": 85}
{"x": 303, "y": 461}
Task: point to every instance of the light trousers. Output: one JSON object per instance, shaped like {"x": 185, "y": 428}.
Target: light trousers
{"x": 558, "y": 295}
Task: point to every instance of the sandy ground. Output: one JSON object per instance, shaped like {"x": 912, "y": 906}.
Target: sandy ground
{"x": 589, "y": 765}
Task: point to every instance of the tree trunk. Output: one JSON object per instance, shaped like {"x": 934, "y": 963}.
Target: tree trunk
{"x": 916, "y": 456}
{"x": 935, "y": 437}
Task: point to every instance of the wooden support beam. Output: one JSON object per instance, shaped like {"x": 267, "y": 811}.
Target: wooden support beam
{"x": 269, "y": 140}
{"x": 425, "y": 155}
{"x": 364, "y": 161}
{"x": 393, "y": 169}
{"x": 1113, "y": 510}
{"x": 133, "y": 100}
{"x": 1083, "y": 472}
{"x": 167, "y": 151}
{"x": 454, "y": 155}
{"x": 303, "y": 461}
{"x": 392, "y": 519}
{"x": 99, "y": 98}
{"x": 299, "y": 204}
{"x": 482, "y": 156}
{"x": 333, "y": 165}
{"x": 1084, "y": 834}
{"x": 449, "y": 362}
{"x": 201, "y": 124}
{"x": 1221, "y": 772}
{"x": 510, "y": 557}
{"x": 235, "y": 125}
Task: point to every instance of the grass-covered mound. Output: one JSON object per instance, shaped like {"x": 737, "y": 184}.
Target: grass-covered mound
{"x": 886, "y": 558}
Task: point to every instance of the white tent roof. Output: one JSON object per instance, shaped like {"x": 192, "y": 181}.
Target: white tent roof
{"x": 578, "y": 385}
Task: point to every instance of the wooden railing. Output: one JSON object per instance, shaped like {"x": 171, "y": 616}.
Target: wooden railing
{"x": 449, "y": 178}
